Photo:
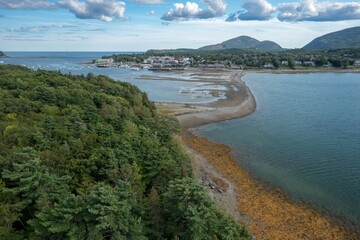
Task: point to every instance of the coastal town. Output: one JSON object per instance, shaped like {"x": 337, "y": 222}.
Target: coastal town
{"x": 155, "y": 63}
{"x": 180, "y": 120}
{"x": 298, "y": 60}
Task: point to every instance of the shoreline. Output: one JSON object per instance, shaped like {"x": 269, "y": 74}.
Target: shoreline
{"x": 239, "y": 102}
{"x": 303, "y": 71}
{"x": 268, "y": 212}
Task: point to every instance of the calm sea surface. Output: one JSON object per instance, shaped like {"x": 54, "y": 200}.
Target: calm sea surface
{"x": 303, "y": 138}
{"x": 161, "y": 91}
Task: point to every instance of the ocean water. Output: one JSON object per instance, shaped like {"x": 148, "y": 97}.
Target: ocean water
{"x": 160, "y": 91}
{"x": 303, "y": 138}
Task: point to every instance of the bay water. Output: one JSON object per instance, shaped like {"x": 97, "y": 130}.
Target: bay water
{"x": 303, "y": 138}
{"x": 157, "y": 90}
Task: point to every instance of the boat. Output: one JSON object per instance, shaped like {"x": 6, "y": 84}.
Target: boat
{"x": 102, "y": 66}
{"x": 135, "y": 68}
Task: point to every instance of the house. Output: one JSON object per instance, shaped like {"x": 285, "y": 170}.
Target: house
{"x": 328, "y": 64}
{"x": 268, "y": 65}
{"x": 357, "y": 63}
{"x": 309, "y": 63}
{"x": 104, "y": 60}
{"x": 285, "y": 63}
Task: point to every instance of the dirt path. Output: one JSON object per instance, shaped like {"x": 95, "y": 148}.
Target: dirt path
{"x": 220, "y": 189}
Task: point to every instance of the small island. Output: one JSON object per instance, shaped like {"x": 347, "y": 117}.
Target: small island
{"x": 2, "y": 54}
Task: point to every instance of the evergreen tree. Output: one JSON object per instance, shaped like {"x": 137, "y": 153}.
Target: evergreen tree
{"x": 104, "y": 213}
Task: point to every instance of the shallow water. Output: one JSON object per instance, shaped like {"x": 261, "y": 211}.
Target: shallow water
{"x": 157, "y": 90}
{"x": 304, "y": 137}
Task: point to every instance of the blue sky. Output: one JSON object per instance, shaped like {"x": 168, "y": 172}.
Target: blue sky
{"x": 138, "y": 25}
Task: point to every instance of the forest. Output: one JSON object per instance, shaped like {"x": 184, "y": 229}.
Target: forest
{"x": 87, "y": 157}
{"x": 295, "y": 59}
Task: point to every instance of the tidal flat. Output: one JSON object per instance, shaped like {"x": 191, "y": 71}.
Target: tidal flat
{"x": 268, "y": 211}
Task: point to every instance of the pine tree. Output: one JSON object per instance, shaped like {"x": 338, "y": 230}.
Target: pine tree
{"x": 105, "y": 213}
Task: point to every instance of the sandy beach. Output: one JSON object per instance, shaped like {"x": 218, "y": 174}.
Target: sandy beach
{"x": 239, "y": 102}
{"x": 267, "y": 211}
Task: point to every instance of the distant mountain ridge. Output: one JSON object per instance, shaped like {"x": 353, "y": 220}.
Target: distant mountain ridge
{"x": 243, "y": 42}
{"x": 346, "y": 38}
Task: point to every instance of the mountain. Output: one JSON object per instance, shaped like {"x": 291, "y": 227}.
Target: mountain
{"x": 347, "y": 38}
{"x": 243, "y": 42}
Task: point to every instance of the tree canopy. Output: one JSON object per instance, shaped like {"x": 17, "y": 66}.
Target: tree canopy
{"x": 87, "y": 157}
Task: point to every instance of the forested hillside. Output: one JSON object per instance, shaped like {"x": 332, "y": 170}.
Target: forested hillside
{"x": 243, "y": 42}
{"x": 346, "y": 38}
{"x": 90, "y": 158}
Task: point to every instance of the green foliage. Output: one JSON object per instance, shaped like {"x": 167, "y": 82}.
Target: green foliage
{"x": 90, "y": 158}
{"x": 104, "y": 213}
{"x": 192, "y": 215}
{"x": 244, "y": 42}
{"x": 189, "y": 210}
{"x": 255, "y": 58}
{"x": 347, "y": 38}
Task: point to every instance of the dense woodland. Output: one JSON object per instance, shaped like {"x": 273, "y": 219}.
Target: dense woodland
{"x": 253, "y": 58}
{"x": 346, "y": 38}
{"x": 86, "y": 157}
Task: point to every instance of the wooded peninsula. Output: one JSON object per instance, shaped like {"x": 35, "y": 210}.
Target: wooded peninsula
{"x": 246, "y": 59}
{"x": 87, "y": 157}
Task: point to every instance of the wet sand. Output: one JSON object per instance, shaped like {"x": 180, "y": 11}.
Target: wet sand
{"x": 240, "y": 102}
{"x": 268, "y": 212}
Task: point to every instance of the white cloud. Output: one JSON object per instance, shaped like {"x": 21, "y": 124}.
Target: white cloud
{"x": 23, "y": 29}
{"x": 191, "y": 10}
{"x": 150, "y": 2}
{"x": 26, "y": 4}
{"x": 104, "y": 10}
{"x": 75, "y": 28}
{"x": 217, "y": 6}
{"x": 312, "y": 10}
{"x": 254, "y": 10}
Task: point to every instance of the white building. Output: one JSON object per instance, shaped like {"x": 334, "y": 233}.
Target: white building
{"x": 105, "y": 60}
{"x": 309, "y": 63}
{"x": 269, "y": 65}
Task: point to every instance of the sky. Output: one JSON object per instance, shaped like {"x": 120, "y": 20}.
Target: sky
{"x": 139, "y": 25}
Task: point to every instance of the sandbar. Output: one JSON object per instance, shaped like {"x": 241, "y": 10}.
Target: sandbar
{"x": 268, "y": 212}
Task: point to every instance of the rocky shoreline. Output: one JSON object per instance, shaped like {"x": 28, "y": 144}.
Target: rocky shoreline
{"x": 268, "y": 212}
